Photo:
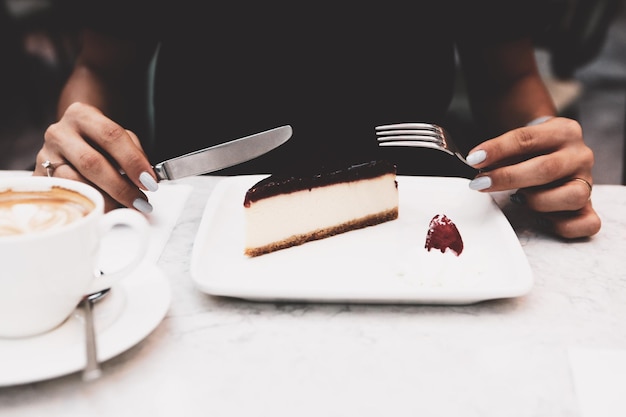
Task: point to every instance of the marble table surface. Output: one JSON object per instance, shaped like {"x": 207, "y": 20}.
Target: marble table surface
{"x": 227, "y": 357}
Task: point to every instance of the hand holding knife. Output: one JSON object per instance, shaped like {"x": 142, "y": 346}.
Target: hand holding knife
{"x": 86, "y": 146}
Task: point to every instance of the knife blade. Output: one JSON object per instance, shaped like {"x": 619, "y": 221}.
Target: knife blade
{"x": 223, "y": 155}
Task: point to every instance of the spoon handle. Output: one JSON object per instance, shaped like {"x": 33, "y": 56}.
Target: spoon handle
{"x": 92, "y": 368}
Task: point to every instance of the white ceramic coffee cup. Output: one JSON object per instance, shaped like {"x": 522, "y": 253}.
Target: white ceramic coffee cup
{"x": 45, "y": 274}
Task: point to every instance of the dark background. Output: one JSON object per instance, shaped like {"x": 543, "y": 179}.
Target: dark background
{"x": 583, "y": 60}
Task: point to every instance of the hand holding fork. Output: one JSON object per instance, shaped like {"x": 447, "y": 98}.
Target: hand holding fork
{"x": 551, "y": 172}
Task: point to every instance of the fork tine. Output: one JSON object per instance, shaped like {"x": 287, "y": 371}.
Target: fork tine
{"x": 428, "y": 126}
{"x": 417, "y": 144}
{"x": 417, "y": 135}
{"x": 407, "y": 132}
{"x": 413, "y": 138}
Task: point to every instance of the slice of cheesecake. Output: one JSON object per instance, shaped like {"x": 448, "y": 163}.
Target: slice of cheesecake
{"x": 284, "y": 211}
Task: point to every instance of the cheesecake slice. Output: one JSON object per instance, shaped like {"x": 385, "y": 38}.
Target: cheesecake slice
{"x": 283, "y": 211}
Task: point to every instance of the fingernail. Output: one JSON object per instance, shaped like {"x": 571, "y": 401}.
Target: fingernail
{"x": 148, "y": 182}
{"x": 480, "y": 183}
{"x": 518, "y": 198}
{"x": 539, "y": 120}
{"x": 476, "y": 157}
{"x": 142, "y": 205}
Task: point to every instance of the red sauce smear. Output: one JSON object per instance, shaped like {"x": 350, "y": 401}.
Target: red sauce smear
{"x": 443, "y": 235}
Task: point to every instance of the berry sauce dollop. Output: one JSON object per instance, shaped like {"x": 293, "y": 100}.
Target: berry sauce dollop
{"x": 443, "y": 234}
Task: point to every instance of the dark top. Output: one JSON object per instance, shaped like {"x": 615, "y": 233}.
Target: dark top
{"x": 333, "y": 72}
{"x": 320, "y": 176}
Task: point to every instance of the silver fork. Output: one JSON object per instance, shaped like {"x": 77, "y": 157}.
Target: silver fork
{"x": 418, "y": 135}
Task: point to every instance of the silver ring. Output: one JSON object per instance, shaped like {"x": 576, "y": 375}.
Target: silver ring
{"x": 584, "y": 181}
{"x": 50, "y": 167}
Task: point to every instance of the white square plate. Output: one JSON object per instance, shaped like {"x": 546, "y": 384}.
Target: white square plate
{"x": 386, "y": 263}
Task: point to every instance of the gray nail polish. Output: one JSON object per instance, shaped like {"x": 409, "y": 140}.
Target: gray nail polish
{"x": 476, "y": 157}
{"x": 539, "y": 120}
{"x": 480, "y": 183}
{"x": 142, "y": 205}
{"x": 148, "y": 182}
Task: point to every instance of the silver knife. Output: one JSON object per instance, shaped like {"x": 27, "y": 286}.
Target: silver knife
{"x": 223, "y": 155}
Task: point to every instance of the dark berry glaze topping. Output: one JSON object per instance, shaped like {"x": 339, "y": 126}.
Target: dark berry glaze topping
{"x": 443, "y": 234}
{"x": 307, "y": 179}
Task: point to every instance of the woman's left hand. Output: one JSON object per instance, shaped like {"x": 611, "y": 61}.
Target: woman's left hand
{"x": 550, "y": 166}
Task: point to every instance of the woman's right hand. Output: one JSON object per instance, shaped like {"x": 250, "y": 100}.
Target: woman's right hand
{"x": 87, "y": 146}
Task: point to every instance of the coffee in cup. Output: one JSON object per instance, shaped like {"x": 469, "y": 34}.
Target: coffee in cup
{"x": 51, "y": 230}
{"x": 23, "y": 212}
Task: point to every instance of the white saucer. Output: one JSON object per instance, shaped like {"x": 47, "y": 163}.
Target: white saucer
{"x": 133, "y": 308}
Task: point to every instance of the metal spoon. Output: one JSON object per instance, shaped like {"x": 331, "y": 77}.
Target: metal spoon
{"x": 92, "y": 368}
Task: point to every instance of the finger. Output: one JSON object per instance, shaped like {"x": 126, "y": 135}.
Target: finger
{"x": 574, "y": 224}
{"x": 527, "y": 142}
{"x": 48, "y": 163}
{"x": 94, "y": 167}
{"x": 541, "y": 170}
{"x": 109, "y": 202}
{"x": 41, "y": 159}
{"x": 147, "y": 179}
{"x": 121, "y": 145}
{"x": 67, "y": 171}
{"x": 569, "y": 196}
{"x": 135, "y": 139}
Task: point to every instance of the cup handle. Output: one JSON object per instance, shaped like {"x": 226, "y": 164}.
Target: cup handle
{"x": 141, "y": 228}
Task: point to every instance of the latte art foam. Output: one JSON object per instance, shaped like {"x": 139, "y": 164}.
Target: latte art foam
{"x": 24, "y": 212}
